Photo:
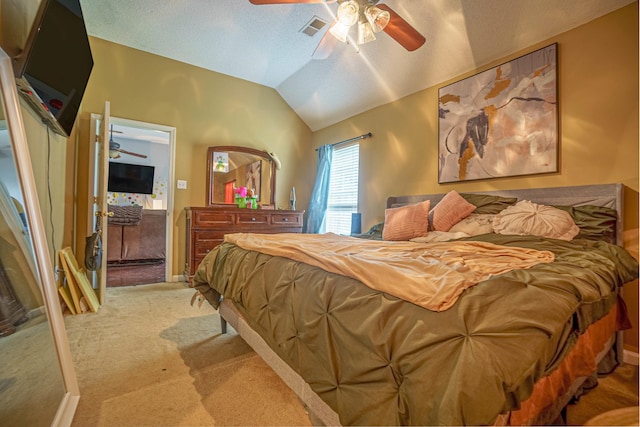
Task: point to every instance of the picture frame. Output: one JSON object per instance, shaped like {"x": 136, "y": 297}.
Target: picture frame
{"x": 221, "y": 162}
{"x": 500, "y": 122}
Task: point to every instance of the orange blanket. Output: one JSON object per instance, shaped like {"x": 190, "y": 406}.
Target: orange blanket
{"x": 431, "y": 275}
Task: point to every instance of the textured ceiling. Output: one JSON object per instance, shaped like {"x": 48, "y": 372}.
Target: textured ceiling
{"x": 263, "y": 44}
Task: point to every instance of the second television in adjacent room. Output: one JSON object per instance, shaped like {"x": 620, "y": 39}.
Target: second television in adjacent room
{"x": 130, "y": 178}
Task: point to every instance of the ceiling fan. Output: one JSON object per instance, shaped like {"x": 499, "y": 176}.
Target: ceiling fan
{"x": 370, "y": 17}
{"x": 115, "y": 150}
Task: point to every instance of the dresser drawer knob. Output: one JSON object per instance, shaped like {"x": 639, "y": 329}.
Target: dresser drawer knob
{"x": 286, "y": 219}
{"x": 253, "y": 219}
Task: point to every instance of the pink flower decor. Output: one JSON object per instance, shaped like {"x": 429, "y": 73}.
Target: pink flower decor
{"x": 241, "y": 192}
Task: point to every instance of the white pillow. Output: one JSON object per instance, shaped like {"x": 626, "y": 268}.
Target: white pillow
{"x": 475, "y": 224}
{"x": 530, "y": 218}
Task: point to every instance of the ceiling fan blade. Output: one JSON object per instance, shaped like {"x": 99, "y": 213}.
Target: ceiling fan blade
{"x": 401, "y": 31}
{"x": 142, "y": 156}
{"x": 259, "y": 2}
{"x": 326, "y": 46}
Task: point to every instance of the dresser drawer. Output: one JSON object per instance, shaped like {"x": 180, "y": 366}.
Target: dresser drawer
{"x": 206, "y": 228}
{"x": 203, "y": 250}
{"x": 206, "y": 235}
{"x": 204, "y": 241}
{"x": 212, "y": 218}
{"x": 252, "y": 218}
{"x": 286, "y": 219}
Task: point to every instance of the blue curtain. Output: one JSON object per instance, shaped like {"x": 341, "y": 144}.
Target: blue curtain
{"x": 320, "y": 195}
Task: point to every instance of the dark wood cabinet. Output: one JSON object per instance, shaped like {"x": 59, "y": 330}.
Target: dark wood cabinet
{"x": 206, "y": 227}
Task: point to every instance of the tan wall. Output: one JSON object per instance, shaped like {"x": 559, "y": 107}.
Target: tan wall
{"x": 598, "y": 107}
{"x": 206, "y": 108}
{"x": 48, "y": 153}
{"x": 598, "y": 104}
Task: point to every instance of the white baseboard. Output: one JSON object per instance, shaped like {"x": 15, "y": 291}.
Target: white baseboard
{"x": 630, "y": 357}
{"x": 35, "y": 312}
{"x": 178, "y": 278}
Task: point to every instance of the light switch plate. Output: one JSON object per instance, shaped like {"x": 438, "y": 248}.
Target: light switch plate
{"x": 182, "y": 184}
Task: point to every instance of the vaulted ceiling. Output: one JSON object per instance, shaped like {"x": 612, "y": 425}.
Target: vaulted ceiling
{"x": 265, "y": 44}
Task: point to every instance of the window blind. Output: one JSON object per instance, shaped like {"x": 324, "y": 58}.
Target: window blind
{"x": 343, "y": 189}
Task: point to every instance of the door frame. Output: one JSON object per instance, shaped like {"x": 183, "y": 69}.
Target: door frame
{"x": 97, "y": 191}
{"x": 171, "y": 130}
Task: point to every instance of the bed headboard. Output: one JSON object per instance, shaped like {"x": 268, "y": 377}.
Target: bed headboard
{"x": 607, "y": 195}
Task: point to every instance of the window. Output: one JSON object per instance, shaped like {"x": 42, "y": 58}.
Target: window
{"x": 343, "y": 189}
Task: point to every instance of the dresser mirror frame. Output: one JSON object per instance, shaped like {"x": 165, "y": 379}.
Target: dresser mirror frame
{"x": 239, "y": 157}
{"x": 65, "y": 396}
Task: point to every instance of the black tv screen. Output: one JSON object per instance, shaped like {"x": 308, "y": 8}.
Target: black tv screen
{"x": 53, "y": 69}
{"x": 127, "y": 178}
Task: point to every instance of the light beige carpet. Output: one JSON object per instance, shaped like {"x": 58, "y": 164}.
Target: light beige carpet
{"x": 148, "y": 358}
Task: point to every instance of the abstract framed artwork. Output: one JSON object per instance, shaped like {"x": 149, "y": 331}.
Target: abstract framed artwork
{"x": 500, "y": 122}
{"x": 254, "y": 178}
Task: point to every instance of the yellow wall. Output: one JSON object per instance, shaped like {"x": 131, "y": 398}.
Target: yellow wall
{"x": 598, "y": 109}
{"x": 598, "y": 105}
{"x": 48, "y": 153}
{"x": 206, "y": 108}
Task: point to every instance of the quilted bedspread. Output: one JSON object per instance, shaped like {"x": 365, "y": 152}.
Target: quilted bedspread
{"x": 377, "y": 359}
{"x": 432, "y": 276}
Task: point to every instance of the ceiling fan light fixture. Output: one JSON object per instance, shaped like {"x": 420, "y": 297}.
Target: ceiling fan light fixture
{"x": 340, "y": 31}
{"x": 115, "y": 150}
{"x": 365, "y": 33}
{"x": 348, "y": 12}
{"x": 377, "y": 17}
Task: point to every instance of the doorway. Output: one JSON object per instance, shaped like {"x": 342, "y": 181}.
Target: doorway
{"x": 139, "y": 195}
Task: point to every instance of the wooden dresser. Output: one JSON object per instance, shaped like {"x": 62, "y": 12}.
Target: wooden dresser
{"x": 206, "y": 227}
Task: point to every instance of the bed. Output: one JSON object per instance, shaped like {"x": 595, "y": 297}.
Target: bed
{"x": 511, "y": 344}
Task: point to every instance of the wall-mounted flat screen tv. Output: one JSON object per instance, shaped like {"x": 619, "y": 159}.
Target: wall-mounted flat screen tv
{"x": 53, "y": 69}
{"x": 128, "y": 178}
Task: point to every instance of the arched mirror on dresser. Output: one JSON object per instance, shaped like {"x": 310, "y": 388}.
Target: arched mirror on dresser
{"x": 38, "y": 386}
{"x": 229, "y": 168}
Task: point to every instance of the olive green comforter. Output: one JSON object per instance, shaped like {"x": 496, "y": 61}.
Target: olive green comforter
{"x": 379, "y": 360}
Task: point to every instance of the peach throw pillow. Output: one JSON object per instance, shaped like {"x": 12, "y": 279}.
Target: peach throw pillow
{"x": 449, "y": 211}
{"x": 406, "y": 222}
